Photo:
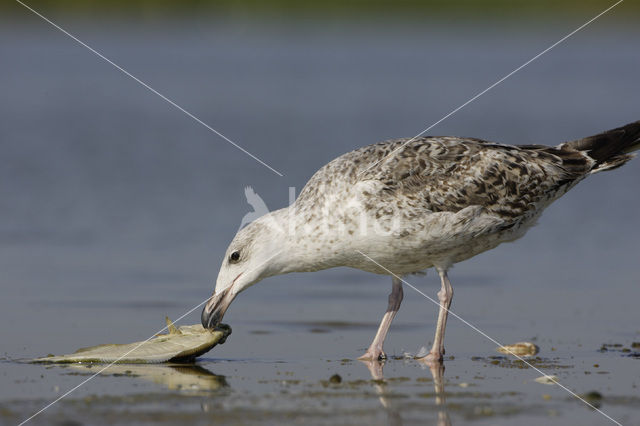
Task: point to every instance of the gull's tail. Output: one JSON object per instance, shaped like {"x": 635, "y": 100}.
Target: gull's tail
{"x": 610, "y": 149}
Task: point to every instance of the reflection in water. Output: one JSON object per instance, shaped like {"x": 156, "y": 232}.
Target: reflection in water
{"x": 375, "y": 368}
{"x": 437, "y": 372}
{"x": 185, "y": 378}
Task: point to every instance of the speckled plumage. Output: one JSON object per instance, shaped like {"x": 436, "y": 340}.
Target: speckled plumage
{"x": 405, "y": 205}
{"x": 451, "y": 198}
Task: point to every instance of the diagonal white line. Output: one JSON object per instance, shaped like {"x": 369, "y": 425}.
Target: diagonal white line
{"x": 494, "y": 85}
{"x": 114, "y": 362}
{"x": 493, "y": 340}
{"x": 128, "y": 352}
{"x": 151, "y": 89}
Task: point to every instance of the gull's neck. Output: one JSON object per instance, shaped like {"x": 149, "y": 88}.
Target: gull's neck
{"x": 301, "y": 245}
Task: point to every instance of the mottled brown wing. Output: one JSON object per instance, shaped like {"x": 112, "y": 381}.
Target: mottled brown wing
{"x": 449, "y": 174}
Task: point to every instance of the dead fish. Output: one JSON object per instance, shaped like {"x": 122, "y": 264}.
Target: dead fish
{"x": 181, "y": 344}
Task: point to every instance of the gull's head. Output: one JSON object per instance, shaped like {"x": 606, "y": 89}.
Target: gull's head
{"x": 251, "y": 257}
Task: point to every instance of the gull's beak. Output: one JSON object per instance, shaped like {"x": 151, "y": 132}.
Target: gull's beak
{"x": 216, "y": 307}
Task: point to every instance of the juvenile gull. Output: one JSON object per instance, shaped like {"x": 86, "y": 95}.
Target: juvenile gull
{"x": 411, "y": 205}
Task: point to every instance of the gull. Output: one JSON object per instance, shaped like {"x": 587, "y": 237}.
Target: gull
{"x": 402, "y": 206}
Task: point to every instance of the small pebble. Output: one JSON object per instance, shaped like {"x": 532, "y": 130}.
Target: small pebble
{"x": 520, "y": 349}
{"x": 592, "y": 395}
{"x": 594, "y": 398}
{"x": 335, "y": 379}
{"x": 547, "y": 380}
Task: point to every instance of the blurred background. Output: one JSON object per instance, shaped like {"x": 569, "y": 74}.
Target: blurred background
{"x": 346, "y": 8}
{"x": 116, "y": 208}
{"x": 110, "y": 196}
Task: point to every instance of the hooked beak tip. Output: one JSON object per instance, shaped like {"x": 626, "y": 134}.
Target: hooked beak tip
{"x": 215, "y": 309}
{"x": 210, "y": 319}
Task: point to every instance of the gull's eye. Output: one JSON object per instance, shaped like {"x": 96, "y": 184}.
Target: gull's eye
{"x": 234, "y": 257}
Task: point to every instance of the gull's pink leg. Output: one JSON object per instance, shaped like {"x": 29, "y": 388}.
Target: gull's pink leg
{"x": 444, "y": 296}
{"x": 375, "y": 351}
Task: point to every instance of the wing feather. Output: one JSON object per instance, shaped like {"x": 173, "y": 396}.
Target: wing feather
{"x": 449, "y": 174}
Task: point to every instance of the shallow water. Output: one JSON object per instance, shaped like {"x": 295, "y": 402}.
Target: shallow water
{"x": 116, "y": 210}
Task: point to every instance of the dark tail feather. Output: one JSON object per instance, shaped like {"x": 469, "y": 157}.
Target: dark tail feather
{"x": 610, "y": 149}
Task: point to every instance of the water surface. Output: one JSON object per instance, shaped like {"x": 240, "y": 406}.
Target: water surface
{"x": 116, "y": 210}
